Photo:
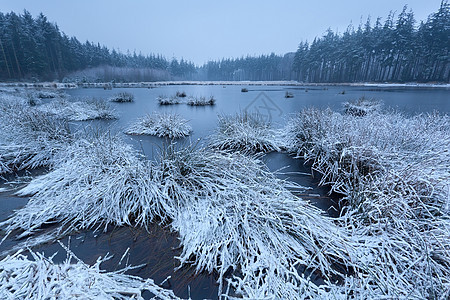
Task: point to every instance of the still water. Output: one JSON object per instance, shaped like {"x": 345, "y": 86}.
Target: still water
{"x": 157, "y": 248}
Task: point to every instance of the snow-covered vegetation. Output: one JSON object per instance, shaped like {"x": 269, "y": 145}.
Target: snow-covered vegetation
{"x": 28, "y": 138}
{"x": 361, "y": 107}
{"x": 248, "y": 133}
{"x": 162, "y": 125}
{"x": 201, "y": 101}
{"x": 122, "y": 97}
{"x": 81, "y": 110}
{"x": 164, "y": 100}
{"x": 231, "y": 212}
{"x": 394, "y": 174}
{"x": 38, "y": 277}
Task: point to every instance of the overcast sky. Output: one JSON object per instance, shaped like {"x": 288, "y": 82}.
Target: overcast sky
{"x": 200, "y": 30}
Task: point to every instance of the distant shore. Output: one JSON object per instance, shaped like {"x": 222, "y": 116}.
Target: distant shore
{"x": 155, "y": 84}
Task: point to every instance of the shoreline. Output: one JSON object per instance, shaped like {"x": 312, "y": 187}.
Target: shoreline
{"x": 108, "y": 85}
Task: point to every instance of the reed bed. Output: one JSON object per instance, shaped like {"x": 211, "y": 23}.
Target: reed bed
{"x": 38, "y": 277}
{"x": 394, "y": 173}
{"x": 244, "y": 132}
{"x": 82, "y": 110}
{"x": 122, "y": 97}
{"x": 162, "y": 125}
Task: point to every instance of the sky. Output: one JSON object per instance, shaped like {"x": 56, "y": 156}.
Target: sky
{"x": 200, "y": 30}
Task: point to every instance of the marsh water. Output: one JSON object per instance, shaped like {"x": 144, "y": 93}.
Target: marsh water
{"x": 157, "y": 248}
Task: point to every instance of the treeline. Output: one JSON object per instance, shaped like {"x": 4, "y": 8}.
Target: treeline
{"x": 264, "y": 67}
{"x": 35, "y": 49}
{"x": 396, "y": 51}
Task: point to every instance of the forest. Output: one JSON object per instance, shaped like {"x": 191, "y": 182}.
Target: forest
{"x": 396, "y": 50}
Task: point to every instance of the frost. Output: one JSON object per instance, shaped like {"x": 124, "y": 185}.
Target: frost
{"x": 122, "y": 97}
{"x": 39, "y": 277}
{"x": 28, "y": 138}
{"x": 248, "y": 133}
{"x": 201, "y": 101}
{"x": 162, "y": 125}
{"x": 394, "y": 173}
{"x": 83, "y": 110}
{"x": 163, "y": 100}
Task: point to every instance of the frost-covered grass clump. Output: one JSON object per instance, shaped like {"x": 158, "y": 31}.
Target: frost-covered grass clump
{"x": 97, "y": 180}
{"x": 361, "y": 107}
{"x": 235, "y": 215}
{"x": 81, "y": 110}
{"x": 248, "y": 133}
{"x": 38, "y": 277}
{"x": 164, "y": 100}
{"x": 161, "y": 125}
{"x": 201, "y": 101}
{"x": 394, "y": 173}
{"x": 28, "y": 138}
{"x": 232, "y": 214}
{"x": 122, "y": 97}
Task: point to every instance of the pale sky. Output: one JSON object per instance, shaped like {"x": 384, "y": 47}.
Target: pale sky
{"x": 200, "y": 30}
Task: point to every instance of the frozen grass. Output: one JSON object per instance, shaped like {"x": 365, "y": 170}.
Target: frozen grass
{"x": 28, "y": 138}
{"x": 82, "y": 110}
{"x": 201, "y": 101}
{"x": 248, "y": 133}
{"x": 122, "y": 97}
{"x": 237, "y": 216}
{"x": 231, "y": 212}
{"x": 361, "y": 107}
{"x": 38, "y": 277}
{"x": 394, "y": 173}
{"x": 164, "y": 100}
{"x": 162, "y": 125}
{"x": 98, "y": 180}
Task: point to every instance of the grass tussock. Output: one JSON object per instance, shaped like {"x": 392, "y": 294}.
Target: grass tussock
{"x": 82, "y": 110}
{"x": 180, "y": 94}
{"x": 232, "y": 214}
{"x": 201, "y": 101}
{"x": 361, "y": 107}
{"x": 161, "y": 125}
{"x": 394, "y": 173}
{"x": 29, "y": 138}
{"x": 122, "y": 97}
{"x": 238, "y": 216}
{"x": 164, "y": 100}
{"x": 98, "y": 180}
{"x": 38, "y": 277}
{"x": 248, "y": 133}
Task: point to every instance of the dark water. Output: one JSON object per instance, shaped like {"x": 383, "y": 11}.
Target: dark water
{"x": 158, "y": 247}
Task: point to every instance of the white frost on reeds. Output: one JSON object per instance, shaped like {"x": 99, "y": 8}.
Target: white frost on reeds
{"x": 394, "y": 172}
{"x": 161, "y": 125}
{"x": 361, "y": 107}
{"x": 82, "y": 110}
{"x": 28, "y": 138}
{"x": 122, "y": 97}
{"x": 248, "y": 133}
{"x": 164, "y": 100}
{"x": 38, "y": 277}
{"x": 98, "y": 180}
{"x": 231, "y": 212}
{"x": 201, "y": 101}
